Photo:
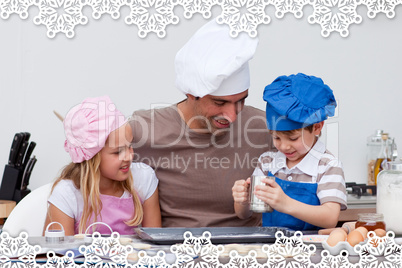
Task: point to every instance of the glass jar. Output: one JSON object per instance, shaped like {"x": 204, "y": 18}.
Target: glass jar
{"x": 389, "y": 195}
{"x": 370, "y": 221}
{"x": 373, "y": 150}
{"x": 383, "y": 157}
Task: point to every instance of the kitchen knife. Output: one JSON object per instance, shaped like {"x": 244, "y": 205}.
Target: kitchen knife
{"x": 27, "y": 135}
{"x": 23, "y": 148}
{"x": 27, "y": 173}
{"x": 28, "y": 154}
{"x": 24, "y": 175}
{"x": 21, "y": 153}
{"x": 18, "y": 138}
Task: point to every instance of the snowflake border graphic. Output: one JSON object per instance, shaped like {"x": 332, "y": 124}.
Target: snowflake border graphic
{"x": 197, "y": 252}
{"x": 105, "y": 249}
{"x": 243, "y": 15}
{"x": 335, "y": 15}
{"x": 60, "y": 16}
{"x": 154, "y": 16}
{"x": 17, "y": 248}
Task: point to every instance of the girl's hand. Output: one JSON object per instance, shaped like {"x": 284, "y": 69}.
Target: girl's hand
{"x": 273, "y": 195}
{"x": 240, "y": 191}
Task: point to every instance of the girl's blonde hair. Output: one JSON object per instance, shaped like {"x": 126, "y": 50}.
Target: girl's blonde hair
{"x": 86, "y": 177}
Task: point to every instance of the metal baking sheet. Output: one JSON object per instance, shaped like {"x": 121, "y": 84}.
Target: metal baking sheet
{"x": 219, "y": 235}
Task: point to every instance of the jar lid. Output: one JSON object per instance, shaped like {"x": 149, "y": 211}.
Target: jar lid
{"x": 395, "y": 165}
{"x": 376, "y": 137}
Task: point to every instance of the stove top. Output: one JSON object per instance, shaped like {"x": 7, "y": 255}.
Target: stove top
{"x": 361, "y": 194}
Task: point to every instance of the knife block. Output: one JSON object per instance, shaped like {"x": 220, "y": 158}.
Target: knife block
{"x": 19, "y": 194}
{"x": 11, "y": 182}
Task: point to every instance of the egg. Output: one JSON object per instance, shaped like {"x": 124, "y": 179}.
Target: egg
{"x": 363, "y": 231}
{"x": 337, "y": 235}
{"x": 380, "y": 232}
{"x": 354, "y": 238}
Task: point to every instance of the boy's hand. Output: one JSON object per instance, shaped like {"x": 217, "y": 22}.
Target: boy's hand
{"x": 273, "y": 195}
{"x": 240, "y": 191}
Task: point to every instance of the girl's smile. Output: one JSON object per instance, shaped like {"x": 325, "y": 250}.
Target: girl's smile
{"x": 116, "y": 156}
{"x": 125, "y": 168}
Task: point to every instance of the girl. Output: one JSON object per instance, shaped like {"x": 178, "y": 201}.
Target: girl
{"x": 101, "y": 183}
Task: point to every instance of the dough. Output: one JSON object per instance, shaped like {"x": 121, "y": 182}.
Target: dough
{"x": 140, "y": 246}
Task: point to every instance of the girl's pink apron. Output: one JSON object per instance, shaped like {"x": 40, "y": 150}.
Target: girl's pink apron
{"x": 115, "y": 211}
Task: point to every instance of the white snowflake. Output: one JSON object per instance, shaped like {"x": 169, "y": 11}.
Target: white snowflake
{"x": 111, "y": 7}
{"x": 384, "y": 6}
{"x": 20, "y": 7}
{"x": 243, "y": 15}
{"x": 379, "y": 246}
{"x": 105, "y": 251}
{"x": 285, "y": 6}
{"x": 66, "y": 261}
{"x": 146, "y": 261}
{"x": 286, "y": 247}
{"x": 60, "y": 16}
{"x": 17, "y": 248}
{"x": 340, "y": 261}
{"x": 151, "y": 16}
{"x": 197, "y": 6}
{"x": 196, "y": 252}
{"x": 335, "y": 15}
{"x": 237, "y": 261}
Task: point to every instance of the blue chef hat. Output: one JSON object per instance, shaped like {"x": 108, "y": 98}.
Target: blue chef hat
{"x": 297, "y": 101}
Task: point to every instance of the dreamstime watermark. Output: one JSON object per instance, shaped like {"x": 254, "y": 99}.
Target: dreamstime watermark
{"x": 199, "y": 161}
{"x": 247, "y": 132}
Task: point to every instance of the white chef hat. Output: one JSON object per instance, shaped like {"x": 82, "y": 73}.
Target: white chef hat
{"x": 214, "y": 63}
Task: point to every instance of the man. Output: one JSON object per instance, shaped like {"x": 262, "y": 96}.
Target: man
{"x": 202, "y": 145}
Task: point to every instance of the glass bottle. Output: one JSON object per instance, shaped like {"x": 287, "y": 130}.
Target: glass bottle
{"x": 389, "y": 195}
{"x": 373, "y": 150}
{"x": 383, "y": 157}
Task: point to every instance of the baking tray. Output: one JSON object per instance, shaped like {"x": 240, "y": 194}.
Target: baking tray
{"x": 219, "y": 235}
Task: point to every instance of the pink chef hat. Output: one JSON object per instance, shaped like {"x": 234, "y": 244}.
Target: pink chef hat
{"x": 88, "y": 125}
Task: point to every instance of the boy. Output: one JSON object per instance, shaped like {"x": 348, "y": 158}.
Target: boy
{"x": 309, "y": 187}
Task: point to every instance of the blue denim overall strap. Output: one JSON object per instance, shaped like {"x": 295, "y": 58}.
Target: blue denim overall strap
{"x": 303, "y": 192}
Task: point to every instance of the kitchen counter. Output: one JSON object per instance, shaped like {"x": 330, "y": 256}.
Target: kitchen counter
{"x": 351, "y": 213}
{"x": 358, "y": 204}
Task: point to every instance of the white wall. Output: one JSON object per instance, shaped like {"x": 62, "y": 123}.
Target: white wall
{"x": 39, "y": 75}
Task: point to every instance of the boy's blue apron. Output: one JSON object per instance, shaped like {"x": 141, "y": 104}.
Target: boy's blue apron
{"x": 303, "y": 192}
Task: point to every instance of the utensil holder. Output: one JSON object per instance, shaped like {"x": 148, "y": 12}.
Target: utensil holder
{"x": 12, "y": 178}
{"x": 19, "y": 194}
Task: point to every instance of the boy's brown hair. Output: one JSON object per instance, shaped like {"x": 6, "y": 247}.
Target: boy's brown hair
{"x": 290, "y": 132}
